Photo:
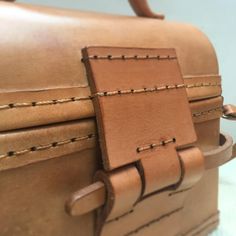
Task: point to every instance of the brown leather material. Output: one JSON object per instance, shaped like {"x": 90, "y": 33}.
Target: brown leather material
{"x": 76, "y": 102}
{"x": 124, "y": 129}
{"x": 160, "y": 170}
{"x": 60, "y": 74}
{"x": 201, "y": 87}
{"x": 141, "y": 8}
{"x": 45, "y": 143}
{"x": 230, "y": 112}
{"x": 222, "y": 154}
{"x": 192, "y": 170}
{"x": 43, "y": 82}
{"x": 205, "y": 110}
{"x": 193, "y": 166}
{"x": 33, "y": 196}
{"x": 203, "y": 117}
{"x": 124, "y": 188}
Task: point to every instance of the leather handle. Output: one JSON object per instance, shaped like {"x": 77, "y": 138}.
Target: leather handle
{"x": 94, "y": 196}
{"x": 140, "y": 7}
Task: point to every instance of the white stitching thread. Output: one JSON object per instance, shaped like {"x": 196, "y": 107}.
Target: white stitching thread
{"x": 155, "y": 145}
{"x": 155, "y": 89}
{"x": 207, "y": 112}
{"x": 100, "y": 94}
{"x": 46, "y": 146}
{"x": 43, "y": 103}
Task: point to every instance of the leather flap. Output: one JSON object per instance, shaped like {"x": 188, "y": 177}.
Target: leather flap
{"x": 134, "y": 92}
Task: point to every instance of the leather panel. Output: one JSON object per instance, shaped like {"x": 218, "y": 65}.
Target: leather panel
{"x": 122, "y": 95}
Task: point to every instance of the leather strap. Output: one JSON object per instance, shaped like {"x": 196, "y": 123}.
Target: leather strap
{"x": 93, "y": 196}
{"x": 229, "y": 112}
{"x": 142, "y": 9}
{"x": 222, "y": 154}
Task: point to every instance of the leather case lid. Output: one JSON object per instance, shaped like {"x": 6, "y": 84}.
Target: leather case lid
{"x": 43, "y": 80}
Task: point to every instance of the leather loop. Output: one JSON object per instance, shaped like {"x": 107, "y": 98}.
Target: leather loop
{"x": 142, "y": 9}
{"x": 222, "y": 154}
{"x": 123, "y": 190}
{"x": 193, "y": 166}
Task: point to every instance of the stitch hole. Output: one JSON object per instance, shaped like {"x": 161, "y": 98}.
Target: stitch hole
{"x": 33, "y": 149}
{"x": 152, "y": 146}
{"x": 73, "y": 99}
{"x": 123, "y": 57}
{"x": 135, "y": 56}
{"x": 90, "y": 135}
{"x": 138, "y": 150}
{"x": 54, "y": 144}
{"x": 54, "y": 101}
{"x": 33, "y": 104}
{"x": 174, "y": 140}
{"x": 132, "y": 90}
{"x": 95, "y": 57}
{"x": 163, "y": 143}
{"x": 11, "y": 105}
{"x": 109, "y": 57}
{"x": 11, "y": 153}
{"x": 105, "y": 93}
{"x": 73, "y": 140}
{"x": 147, "y": 56}
{"x": 119, "y": 92}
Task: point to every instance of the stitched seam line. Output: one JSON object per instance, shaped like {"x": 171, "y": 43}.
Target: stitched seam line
{"x": 153, "y": 221}
{"x": 46, "y": 146}
{"x": 101, "y": 94}
{"x": 154, "y": 89}
{"x": 155, "y": 145}
{"x": 208, "y": 112}
{"x": 206, "y": 227}
{"x": 199, "y": 225}
{"x": 43, "y": 103}
{"x": 177, "y": 192}
{"x": 126, "y": 57}
{"x": 119, "y": 217}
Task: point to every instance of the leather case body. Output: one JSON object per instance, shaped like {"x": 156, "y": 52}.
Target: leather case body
{"x": 48, "y": 141}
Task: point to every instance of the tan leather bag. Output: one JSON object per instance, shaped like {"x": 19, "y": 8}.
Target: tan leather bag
{"x": 148, "y": 164}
